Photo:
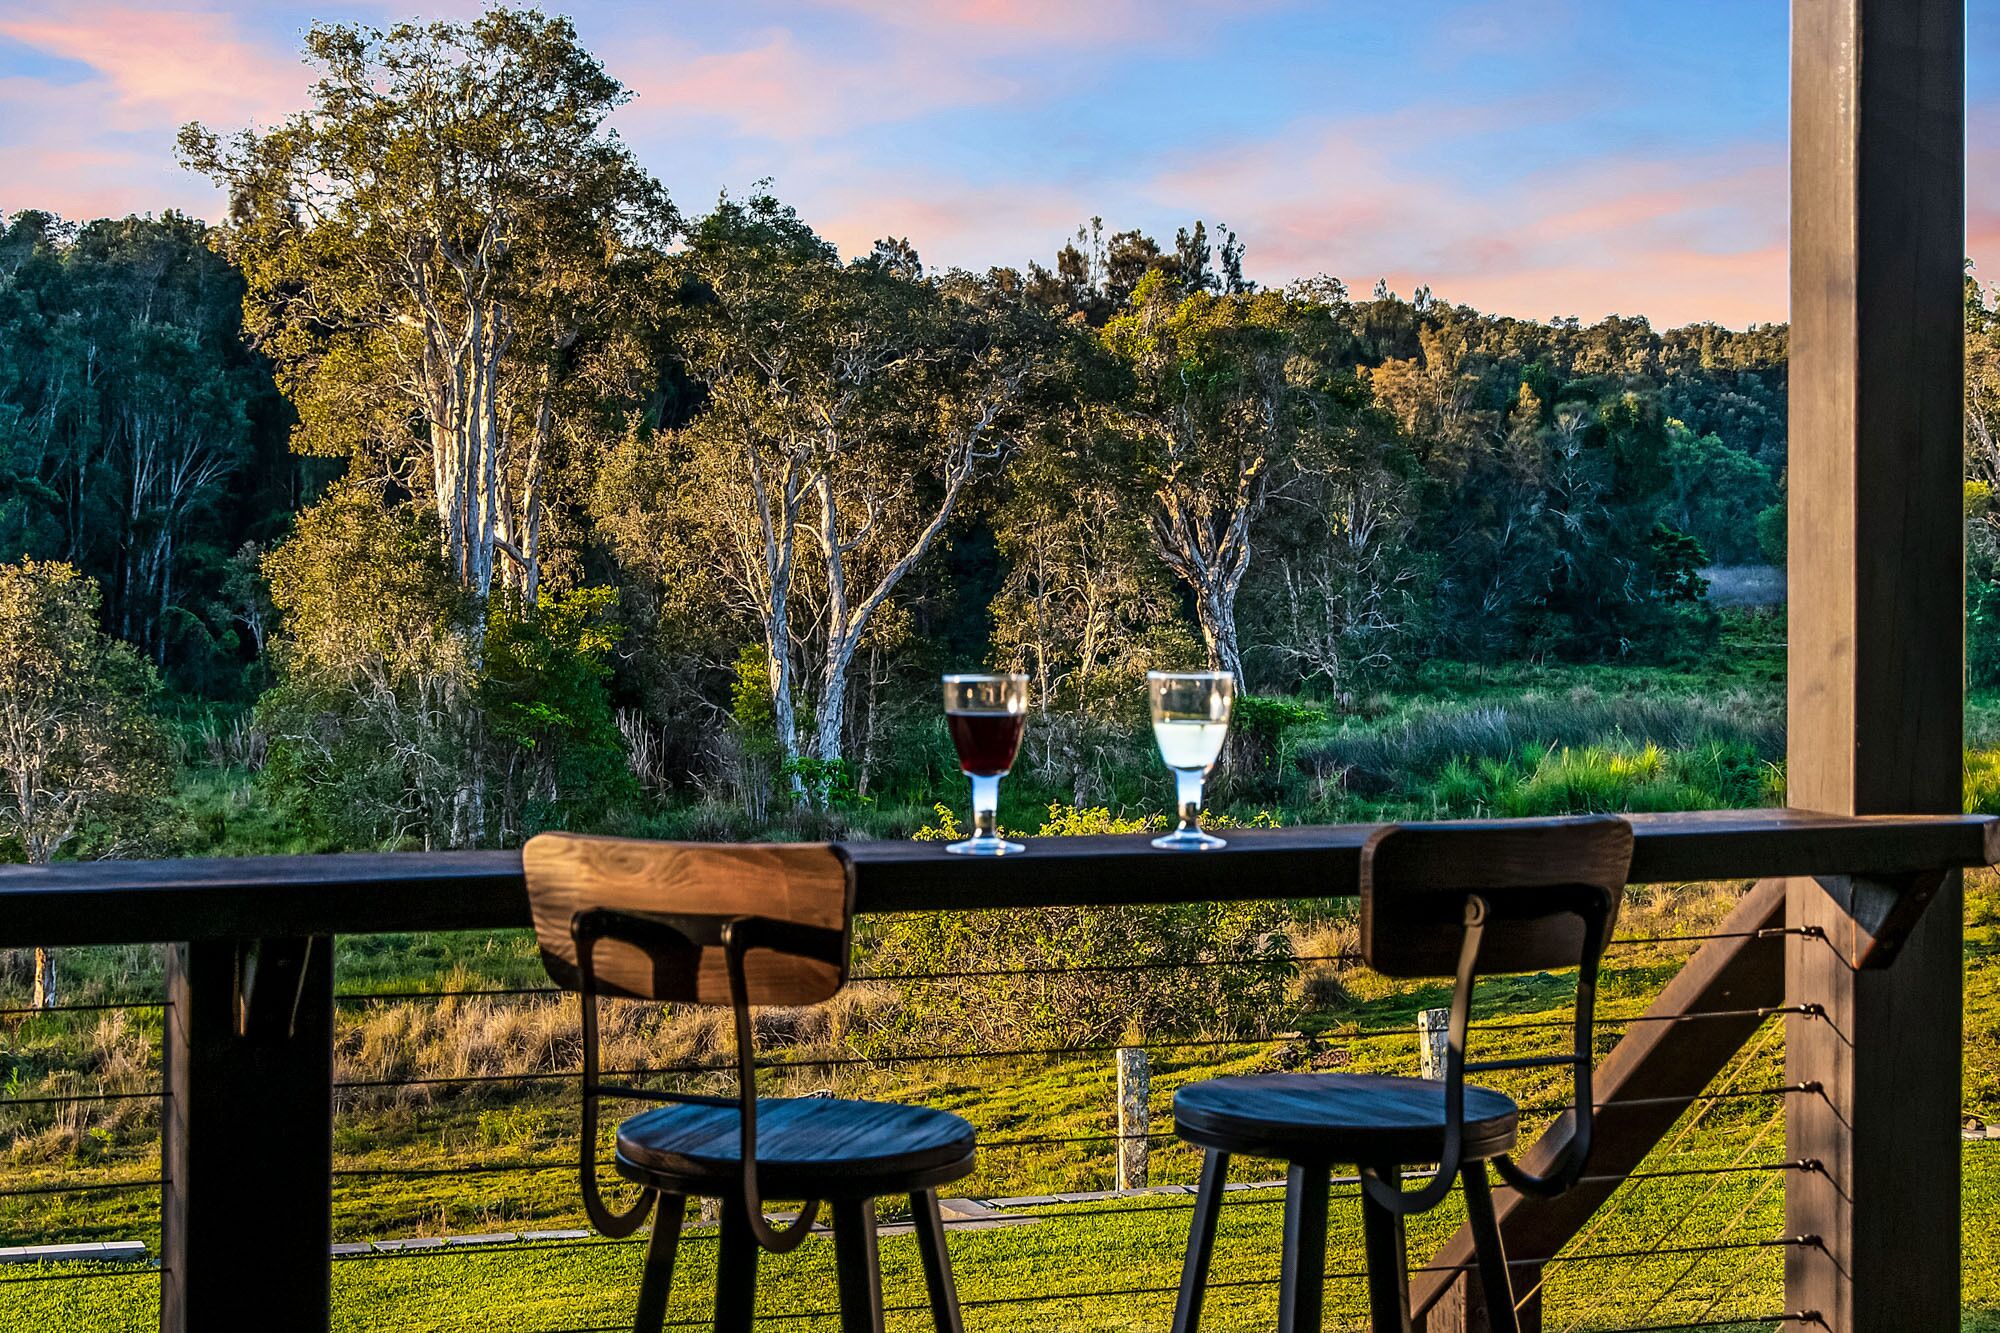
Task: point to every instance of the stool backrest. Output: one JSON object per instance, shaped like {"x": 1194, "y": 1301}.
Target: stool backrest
{"x": 802, "y": 884}
{"x": 692, "y": 923}
{"x": 1532, "y": 873}
{"x": 1518, "y": 895}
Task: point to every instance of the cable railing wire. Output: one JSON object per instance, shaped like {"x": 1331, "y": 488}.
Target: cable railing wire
{"x": 1165, "y": 1200}
{"x": 88, "y": 1187}
{"x": 964, "y": 974}
{"x": 38, "y": 1011}
{"x": 945, "y": 1057}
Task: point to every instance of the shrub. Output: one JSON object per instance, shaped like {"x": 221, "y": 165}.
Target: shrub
{"x": 1066, "y": 976}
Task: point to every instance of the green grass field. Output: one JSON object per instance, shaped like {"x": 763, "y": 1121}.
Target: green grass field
{"x": 1130, "y": 1250}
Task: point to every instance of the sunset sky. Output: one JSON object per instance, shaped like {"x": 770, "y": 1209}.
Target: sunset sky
{"x": 1535, "y": 157}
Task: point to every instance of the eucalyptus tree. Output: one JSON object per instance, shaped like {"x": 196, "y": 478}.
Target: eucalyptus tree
{"x": 1217, "y": 410}
{"x": 374, "y": 678}
{"x": 437, "y": 249}
{"x": 81, "y": 760}
{"x": 125, "y": 411}
{"x": 848, "y": 409}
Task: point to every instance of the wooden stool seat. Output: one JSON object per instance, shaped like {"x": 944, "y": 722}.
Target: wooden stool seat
{"x": 744, "y": 925}
{"x": 1362, "y": 1119}
{"x": 807, "y": 1148}
{"x": 1438, "y": 899}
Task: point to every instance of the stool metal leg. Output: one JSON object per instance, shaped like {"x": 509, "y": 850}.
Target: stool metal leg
{"x": 938, "y": 1281}
{"x": 1496, "y": 1284}
{"x": 1302, "y": 1277}
{"x": 658, "y": 1278}
{"x": 1201, "y": 1242}
{"x": 735, "y": 1270}
{"x": 1388, "y": 1261}
{"x": 856, "y": 1264}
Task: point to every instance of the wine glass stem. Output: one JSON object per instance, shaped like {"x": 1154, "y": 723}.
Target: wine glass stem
{"x": 1187, "y": 782}
{"x": 985, "y": 806}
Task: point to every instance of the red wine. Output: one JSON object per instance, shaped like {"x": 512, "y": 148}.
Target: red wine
{"x": 986, "y": 741}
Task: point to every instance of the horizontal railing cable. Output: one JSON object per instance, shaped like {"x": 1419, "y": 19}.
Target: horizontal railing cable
{"x": 67, "y": 1098}
{"x": 97, "y": 1273}
{"x": 1737, "y": 1321}
{"x": 963, "y": 974}
{"x": 90, "y": 1187}
{"x": 1109, "y": 1293}
{"x": 39, "y": 1011}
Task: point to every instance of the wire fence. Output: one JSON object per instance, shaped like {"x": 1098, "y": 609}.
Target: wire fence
{"x": 1661, "y": 1238}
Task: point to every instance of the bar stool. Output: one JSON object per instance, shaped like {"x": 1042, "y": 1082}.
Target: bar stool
{"x": 1436, "y": 900}
{"x": 736, "y": 926}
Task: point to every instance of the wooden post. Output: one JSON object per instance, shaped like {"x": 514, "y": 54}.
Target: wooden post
{"x": 1433, "y": 1041}
{"x": 247, "y": 1138}
{"x": 1463, "y": 1309}
{"x": 1135, "y": 1088}
{"x": 1876, "y": 643}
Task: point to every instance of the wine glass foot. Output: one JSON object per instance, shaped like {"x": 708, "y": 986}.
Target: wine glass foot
{"x": 1189, "y": 840}
{"x": 986, "y": 847}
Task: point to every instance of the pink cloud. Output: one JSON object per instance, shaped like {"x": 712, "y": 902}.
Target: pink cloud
{"x": 1982, "y": 192}
{"x": 951, "y": 222}
{"x": 778, "y": 89}
{"x": 177, "y": 64}
{"x": 1034, "y": 24}
{"x": 1677, "y": 238}
{"x": 48, "y": 162}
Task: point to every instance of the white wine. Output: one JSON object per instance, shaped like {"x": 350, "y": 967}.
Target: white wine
{"x": 1189, "y": 743}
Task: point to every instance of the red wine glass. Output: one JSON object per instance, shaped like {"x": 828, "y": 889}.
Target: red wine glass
{"x": 986, "y": 714}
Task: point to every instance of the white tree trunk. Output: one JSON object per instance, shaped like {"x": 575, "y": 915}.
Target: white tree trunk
{"x": 1215, "y": 609}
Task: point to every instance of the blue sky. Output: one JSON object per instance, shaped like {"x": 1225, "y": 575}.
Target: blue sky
{"x": 1537, "y": 157}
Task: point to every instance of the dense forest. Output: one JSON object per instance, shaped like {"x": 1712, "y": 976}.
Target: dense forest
{"x": 480, "y": 486}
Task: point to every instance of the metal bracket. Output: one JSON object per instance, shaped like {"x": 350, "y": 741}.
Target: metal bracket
{"x": 1881, "y": 912}
{"x": 270, "y": 985}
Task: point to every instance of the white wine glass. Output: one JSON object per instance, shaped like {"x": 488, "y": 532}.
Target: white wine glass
{"x": 1190, "y": 722}
{"x": 986, "y": 715}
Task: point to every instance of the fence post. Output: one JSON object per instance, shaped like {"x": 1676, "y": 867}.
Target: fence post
{"x": 246, "y": 1141}
{"x": 1135, "y": 1085}
{"x": 1433, "y": 1040}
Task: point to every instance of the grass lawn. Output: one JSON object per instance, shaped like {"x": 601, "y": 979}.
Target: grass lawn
{"x": 1130, "y": 1250}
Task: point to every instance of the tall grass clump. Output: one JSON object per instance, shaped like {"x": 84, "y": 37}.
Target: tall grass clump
{"x": 1562, "y": 780}
{"x": 1982, "y": 782}
{"x": 1381, "y": 760}
{"x": 1550, "y": 753}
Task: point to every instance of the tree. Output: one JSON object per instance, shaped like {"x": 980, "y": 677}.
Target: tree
{"x": 1085, "y": 607}
{"x": 128, "y": 414}
{"x": 1347, "y": 572}
{"x": 1216, "y": 415}
{"x": 1715, "y": 493}
{"x": 848, "y": 408}
{"x": 437, "y": 252}
{"x": 83, "y": 761}
{"x": 375, "y": 692}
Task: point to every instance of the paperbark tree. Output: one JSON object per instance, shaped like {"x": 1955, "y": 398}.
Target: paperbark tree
{"x": 79, "y": 755}
{"x": 436, "y": 251}
{"x": 1217, "y": 415}
{"x": 848, "y": 409}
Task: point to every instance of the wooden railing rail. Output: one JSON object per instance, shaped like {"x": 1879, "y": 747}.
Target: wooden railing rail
{"x": 248, "y": 1062}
